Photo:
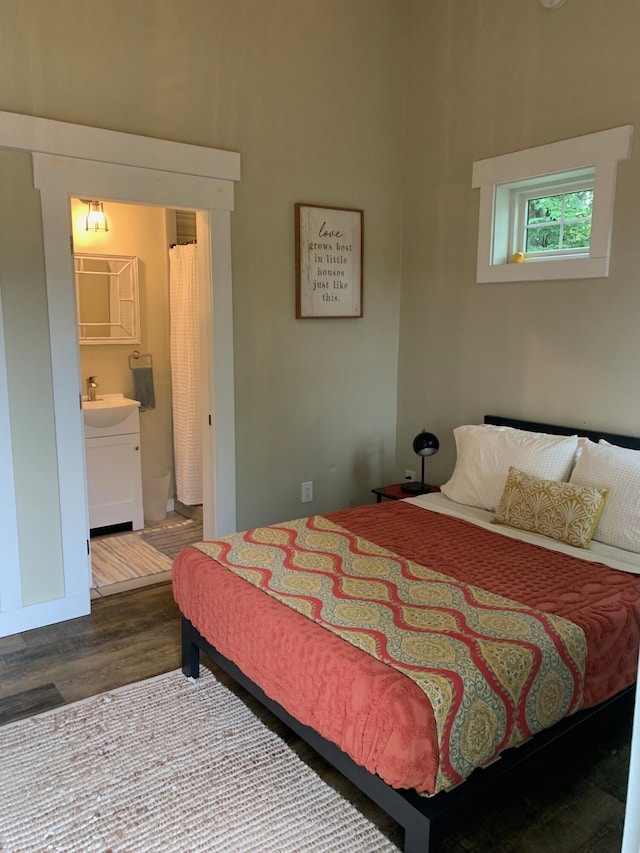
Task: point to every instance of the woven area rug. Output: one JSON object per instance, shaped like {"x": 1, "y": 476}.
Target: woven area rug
{"x": 124, "y": 557}
{"x": 168, "y": 764}
{"x": 127, "y": 556}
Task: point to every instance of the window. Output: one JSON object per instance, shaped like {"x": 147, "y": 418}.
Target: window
{"x": 551, "y": 220}
{"x": 558, "y": 223}
{"x": 546, "y": 213}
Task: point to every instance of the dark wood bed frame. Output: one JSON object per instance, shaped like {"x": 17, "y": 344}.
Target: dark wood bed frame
{"x": 421, "y": 817}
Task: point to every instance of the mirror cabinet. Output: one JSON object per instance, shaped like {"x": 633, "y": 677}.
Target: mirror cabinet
{"x": 107, "y": 299}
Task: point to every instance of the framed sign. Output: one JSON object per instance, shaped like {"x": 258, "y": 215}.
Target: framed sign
{"x": 328, "y": 261}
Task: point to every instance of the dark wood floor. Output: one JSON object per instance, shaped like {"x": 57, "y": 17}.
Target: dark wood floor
{"x": 572, "y": 805}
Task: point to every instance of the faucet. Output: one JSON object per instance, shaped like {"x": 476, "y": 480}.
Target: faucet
{"x": 91, "y": 387}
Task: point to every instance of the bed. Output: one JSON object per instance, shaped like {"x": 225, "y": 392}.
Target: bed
{"x": 415, "y": 643}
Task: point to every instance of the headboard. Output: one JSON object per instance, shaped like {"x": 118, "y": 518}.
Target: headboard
{"x": 629, "y": 441}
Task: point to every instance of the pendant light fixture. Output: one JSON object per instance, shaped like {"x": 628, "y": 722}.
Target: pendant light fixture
{"x": 96, "y": 220}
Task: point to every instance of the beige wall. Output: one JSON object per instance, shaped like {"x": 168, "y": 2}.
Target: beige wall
{"x": 141, "y": 231}
{"x": 487, "y": 77}
{"x": 312, "y": 96}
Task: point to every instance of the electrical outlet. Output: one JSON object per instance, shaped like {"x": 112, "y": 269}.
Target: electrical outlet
{"x": 409, "y": 476}
{"x": 307, "y": 492}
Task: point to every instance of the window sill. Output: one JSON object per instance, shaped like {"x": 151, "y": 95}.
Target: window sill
{"x": 544, "y": 270}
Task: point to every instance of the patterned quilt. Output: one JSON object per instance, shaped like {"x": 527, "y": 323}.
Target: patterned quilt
{"x": 495, "y": 671}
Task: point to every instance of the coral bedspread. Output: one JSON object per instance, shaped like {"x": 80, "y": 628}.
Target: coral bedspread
{"x": 424, "y": 727}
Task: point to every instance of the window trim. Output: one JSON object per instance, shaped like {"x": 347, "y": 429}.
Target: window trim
{"x": 598, "y": 151}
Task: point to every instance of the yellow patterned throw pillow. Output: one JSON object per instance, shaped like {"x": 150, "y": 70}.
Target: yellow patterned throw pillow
{"x": 559, "y": 510}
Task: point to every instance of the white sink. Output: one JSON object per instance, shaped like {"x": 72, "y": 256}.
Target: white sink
{"x": 107, "y": 411}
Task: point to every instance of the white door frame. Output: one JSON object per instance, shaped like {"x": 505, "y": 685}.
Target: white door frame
{"x": 10, "y": 587}
{"x": 72, "y": 160}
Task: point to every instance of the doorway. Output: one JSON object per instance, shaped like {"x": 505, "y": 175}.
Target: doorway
{"x": 74, "y": 160}
{"x": 136, "y": 329}
{"x": 58, "y": 179}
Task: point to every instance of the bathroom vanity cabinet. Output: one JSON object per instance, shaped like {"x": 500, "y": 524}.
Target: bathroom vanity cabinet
{"x": 114, "y": 474}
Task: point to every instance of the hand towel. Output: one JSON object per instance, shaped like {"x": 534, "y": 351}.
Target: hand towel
{"x": 143, "y": 387}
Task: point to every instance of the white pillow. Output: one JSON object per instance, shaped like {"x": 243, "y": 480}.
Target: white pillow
{"x": 618, "y": 468}
{"x": 485, "y": 453}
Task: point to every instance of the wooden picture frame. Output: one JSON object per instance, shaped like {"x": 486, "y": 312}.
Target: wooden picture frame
{"x": 329, "y": 262}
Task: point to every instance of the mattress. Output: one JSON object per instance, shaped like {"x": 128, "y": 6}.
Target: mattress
{"x": 375, "y": 713}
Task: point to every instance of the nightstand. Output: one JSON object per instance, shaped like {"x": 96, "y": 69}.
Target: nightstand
{"x": 395, "y": 493}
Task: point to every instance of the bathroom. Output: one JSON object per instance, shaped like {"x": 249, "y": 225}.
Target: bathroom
{"x": 146, "y": 233}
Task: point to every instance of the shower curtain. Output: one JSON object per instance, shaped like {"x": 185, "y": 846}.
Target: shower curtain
{"x": 185, "y": 372}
